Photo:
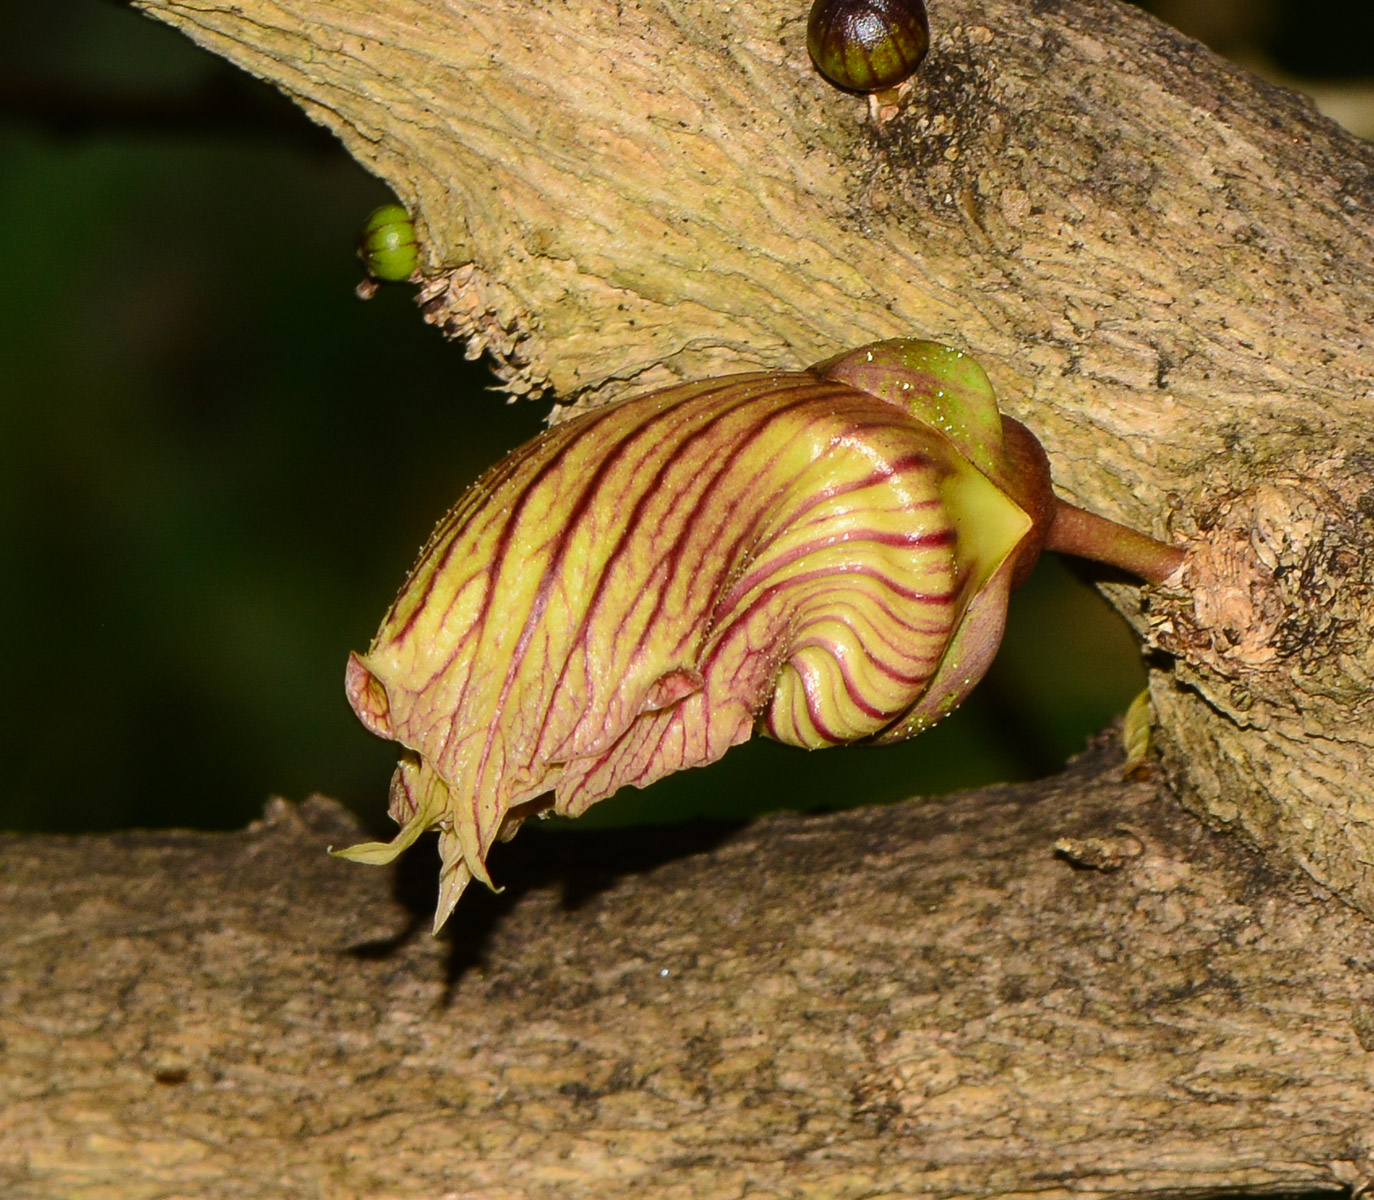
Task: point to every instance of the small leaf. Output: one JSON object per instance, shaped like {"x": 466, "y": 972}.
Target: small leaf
{"x": 1136, "y": 733}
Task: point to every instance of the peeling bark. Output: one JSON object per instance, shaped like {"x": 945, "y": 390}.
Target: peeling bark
{"x": 1069, "y": 988}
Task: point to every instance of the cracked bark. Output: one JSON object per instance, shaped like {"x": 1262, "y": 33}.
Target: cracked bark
{"x": 1166, "y": 267}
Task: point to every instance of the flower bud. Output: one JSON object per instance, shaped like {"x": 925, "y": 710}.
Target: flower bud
{"x": 867, "y": 45}
{"x": 387, "y": 244}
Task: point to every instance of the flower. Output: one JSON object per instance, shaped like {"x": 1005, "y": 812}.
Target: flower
{"x": 820, "y": 556}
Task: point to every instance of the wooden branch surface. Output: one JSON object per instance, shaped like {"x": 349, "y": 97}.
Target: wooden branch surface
{"x": 924, "y": 999}
{"x": 1166, "y": 265}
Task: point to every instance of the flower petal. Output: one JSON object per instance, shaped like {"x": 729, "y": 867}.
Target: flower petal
{"x": 637, "y": 590}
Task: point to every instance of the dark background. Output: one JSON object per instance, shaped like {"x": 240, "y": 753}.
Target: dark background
{"x": 216, "y": 464}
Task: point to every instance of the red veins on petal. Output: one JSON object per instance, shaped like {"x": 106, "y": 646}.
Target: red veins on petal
{"x": 637, "y": 590}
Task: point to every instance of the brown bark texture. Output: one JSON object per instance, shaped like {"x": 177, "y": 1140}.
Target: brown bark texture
{"x": 1166, "y": 265}
{"x": 1063, "y": 989}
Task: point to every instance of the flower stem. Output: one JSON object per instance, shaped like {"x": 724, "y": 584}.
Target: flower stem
{"x": 1076, "y": 531}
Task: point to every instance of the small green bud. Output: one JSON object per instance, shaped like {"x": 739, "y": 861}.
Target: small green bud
{"x": 387, "y": 244}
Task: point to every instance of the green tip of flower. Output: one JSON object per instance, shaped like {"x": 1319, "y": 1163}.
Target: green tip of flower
{"x": 938, "y": 385}
{"x": 374, "y": 854}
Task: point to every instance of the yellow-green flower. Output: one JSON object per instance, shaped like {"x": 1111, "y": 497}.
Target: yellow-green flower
{"x": 819, "y": 556}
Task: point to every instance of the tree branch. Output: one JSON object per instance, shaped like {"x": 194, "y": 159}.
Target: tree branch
{"x": 922, "y": 999}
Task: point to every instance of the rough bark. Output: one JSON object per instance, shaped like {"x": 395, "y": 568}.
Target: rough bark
{"x": 927, "y": 999}
{"x": 1166, "y": 265}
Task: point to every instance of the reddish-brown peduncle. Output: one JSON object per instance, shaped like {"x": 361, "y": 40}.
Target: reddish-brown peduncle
{"x": 1077, "y": 531}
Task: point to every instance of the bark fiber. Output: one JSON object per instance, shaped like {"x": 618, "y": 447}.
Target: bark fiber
{"x": 1064, "y": 989}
